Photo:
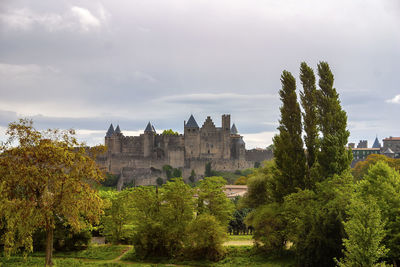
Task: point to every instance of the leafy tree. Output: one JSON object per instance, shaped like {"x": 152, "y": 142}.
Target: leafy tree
{"x": 118, "y": 218}
{"x": 314, "y": 220}
{"x": 44, "y": 177}
{"x": 257, "y": 164}
{"x": 65, "y": 239}
{"x": 192, "y": 177}
{"x": 289, "y": 153}
{"x": 333, "y": 157}
{"x": 212, "y": 199}
{"x": 208, "y": 171}
{"x": 161, "y": 217}
{"x": 361, "y": 167}
{"x": 177, "y": 210}
{"x": 159, "y": 181}
{"x": 383, "y": 184}
{"x": 269, "y": 227}
{"x": 168, "y": 171}
{"x": 258, "y": 185}
{"x": 111, "y": 180}
{"x": 309, "y": 103}
{"x": 177, "y": 173}
{"x": 169, "y": 132}
{"x": 205, "y": 238}
{"x": 365, "y": 231}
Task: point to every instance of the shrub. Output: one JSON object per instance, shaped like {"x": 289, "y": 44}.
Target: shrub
{"x": 205, "y": 237}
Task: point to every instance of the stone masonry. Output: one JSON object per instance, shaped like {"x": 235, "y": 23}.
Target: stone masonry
{"x": 140, "y": 159}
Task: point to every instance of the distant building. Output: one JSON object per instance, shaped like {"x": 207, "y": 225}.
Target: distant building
{"x": 390, "y": 148}
{"x": 232, "y": 191}
{"x": 140, "y": 159}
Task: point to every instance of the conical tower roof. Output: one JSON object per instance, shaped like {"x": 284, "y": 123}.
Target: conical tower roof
{"x": 376, "y": 143}
{"x": 117, "y": 130}
{"x": 192, "y": 122}
{"x": 149, "y": 128}
{"x": 234, "y": 129}
{"x": 110, "y": 131}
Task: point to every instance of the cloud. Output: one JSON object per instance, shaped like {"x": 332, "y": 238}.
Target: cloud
{"x": 216, "y": 97}
{"x": 258, "y": 140}
{"x": 76, "y": 18}
{"x": 394, "y": 100}
{"x": 86, "y": 19}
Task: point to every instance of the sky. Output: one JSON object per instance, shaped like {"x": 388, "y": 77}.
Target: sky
{"x": 85, "y": 64}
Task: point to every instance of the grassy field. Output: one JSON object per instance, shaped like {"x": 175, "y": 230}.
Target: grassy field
{"x": 240, "y": 237}
{"x": 116, "y": 256}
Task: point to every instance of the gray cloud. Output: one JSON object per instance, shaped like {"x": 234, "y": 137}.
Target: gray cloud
{"x": 84, "y": 64}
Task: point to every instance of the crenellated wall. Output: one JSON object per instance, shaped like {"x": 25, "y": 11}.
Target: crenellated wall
{"x": 141, "y": 158}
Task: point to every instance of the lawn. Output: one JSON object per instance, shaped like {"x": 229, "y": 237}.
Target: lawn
{"x": 110, "y": 256}
{"x": 240, "y": 237}
{"x": 95, "y": 252}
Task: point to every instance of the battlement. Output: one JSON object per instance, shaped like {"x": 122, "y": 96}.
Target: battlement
{"x": 223, "y": 146}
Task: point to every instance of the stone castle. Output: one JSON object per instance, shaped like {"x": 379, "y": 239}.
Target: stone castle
{"x": 140, "y": 159}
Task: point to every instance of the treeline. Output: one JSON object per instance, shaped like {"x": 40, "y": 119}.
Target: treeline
{"x": 307, "y": 200}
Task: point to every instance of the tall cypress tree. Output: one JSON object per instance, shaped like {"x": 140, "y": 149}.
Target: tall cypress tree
{"x": 333, "y": 156}
{"x": 309, "y": 103}
{"x": 289, "y": 153}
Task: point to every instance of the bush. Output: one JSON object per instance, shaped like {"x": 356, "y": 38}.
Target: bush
{"x": 64, "y": 239}
{"x": 111, "y": 180}
{"x": 205, "y": 237}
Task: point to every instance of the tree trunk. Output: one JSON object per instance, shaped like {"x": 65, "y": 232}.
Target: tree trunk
{"x": 49, "y": 246}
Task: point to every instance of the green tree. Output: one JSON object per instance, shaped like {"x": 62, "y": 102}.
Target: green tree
{"x": 309, "y": 103}
{"x": 333, "y": 157}
{"x": 289, "y": 153}
{"x": 44, "y": 177}
{"x": 168, "y": 171}
{"x": 192, "y": 177}
{"x": 314, "y": 220}
{"x": 205, "y": 238}
{"x": 208, "y": 171}
{"x": 269, "y": 227}
{"x": 177, "y": 173}
{"x": 177, "y": 211}
{"x": 212, "y": 199}
{"x": 383, "y": 184}
{"x": 169, "y": 132}
{"x": 159, "y": 181}
{"x": 261, "y": 187}
{"x": 161, "y": 217}
{"x": 361, "y": 168}
{"x": 118, "y": 218}
{"x": 365, "y": 232}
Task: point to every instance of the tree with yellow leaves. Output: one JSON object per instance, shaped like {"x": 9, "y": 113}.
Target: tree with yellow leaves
{"x": 45, "y": 175}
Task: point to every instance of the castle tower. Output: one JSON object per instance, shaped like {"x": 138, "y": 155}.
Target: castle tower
{"x": 238, "y": 149}
{"x": 107, "y": 138}
{"x": 148, "y": 140}
{"x": 192, "y": 138}
{"x": 226, "y": 136}
{"x": 113, "y": 140}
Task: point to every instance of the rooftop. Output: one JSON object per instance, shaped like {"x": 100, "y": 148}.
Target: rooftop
{"x": 391, "y": 138}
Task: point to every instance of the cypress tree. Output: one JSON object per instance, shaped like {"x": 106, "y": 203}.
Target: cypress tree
{"x": 309, "y": 103}
{"x": 333, "y": 156}
{"x": 289, "y": 152}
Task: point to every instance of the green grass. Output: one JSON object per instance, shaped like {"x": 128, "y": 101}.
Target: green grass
{"x": 105, "y": 255}
{"x": 39, "y": 261}
{"x": 239, "y": 237}
{"x": 94, "y": 252}
{"x": 236, "y": 256}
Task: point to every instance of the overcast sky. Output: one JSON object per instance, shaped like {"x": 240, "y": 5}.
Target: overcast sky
{"x": 86, "y": 64}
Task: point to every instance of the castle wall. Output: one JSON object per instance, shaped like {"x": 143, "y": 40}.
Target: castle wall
{"x": 141, "y": 158}
{"x": 256, "y": 155}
